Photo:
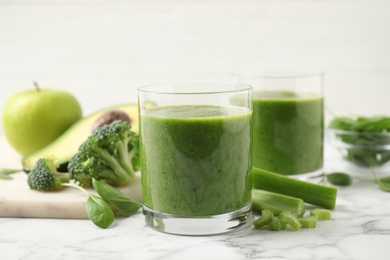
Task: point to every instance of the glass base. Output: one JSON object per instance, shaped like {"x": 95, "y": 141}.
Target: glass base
{"x": 197, "y": 225}
{"x": 317, "y": 177}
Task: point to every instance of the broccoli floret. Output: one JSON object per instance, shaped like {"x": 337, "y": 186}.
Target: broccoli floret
{"x": 44, "y": 176}
{"x": 110, "y": 153}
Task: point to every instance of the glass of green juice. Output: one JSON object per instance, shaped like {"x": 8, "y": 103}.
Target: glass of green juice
{"x": 195, "y": 153}
{"x": 288, "y": 123}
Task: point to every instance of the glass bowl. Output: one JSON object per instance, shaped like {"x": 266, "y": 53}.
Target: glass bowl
{"x": 362, "y": 149}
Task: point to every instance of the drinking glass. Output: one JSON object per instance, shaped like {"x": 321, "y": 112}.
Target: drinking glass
{"x": 288, "y": 122}
{"x": 195, "y": 152}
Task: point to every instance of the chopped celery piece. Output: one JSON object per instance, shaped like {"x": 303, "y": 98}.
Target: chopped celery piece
{"x": 291, "y": 220}
{"x": 308, "y": 222}
{"x": 320, "y": 195}
{"x": 265, "y": 219}
{"x": 277, "y": 203}
{"x": 276, "y": 224}
{"x": 321, "y": 214}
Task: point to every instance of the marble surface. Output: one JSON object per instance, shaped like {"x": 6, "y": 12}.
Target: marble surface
{"x": 101, "y": 51}
{"x": 360, "y": 229}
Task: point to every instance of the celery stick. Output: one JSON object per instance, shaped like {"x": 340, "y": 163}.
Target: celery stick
{"x": 308, "y": 222}
{"x": 277, "y": 203}
{"x": 323, "y": 196}
{"x": 265, "y": 219}
{"x": 321, "y": 214}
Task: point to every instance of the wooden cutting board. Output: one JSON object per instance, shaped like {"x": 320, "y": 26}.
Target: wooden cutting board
{"x": 18, "y": 200}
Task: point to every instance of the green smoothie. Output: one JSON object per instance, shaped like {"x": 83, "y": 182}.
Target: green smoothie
{"x": 196, "y": 160}
{"x": 288, "y": 131}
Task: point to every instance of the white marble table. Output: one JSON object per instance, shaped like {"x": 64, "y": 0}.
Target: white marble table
{"x": 360, "y": 229}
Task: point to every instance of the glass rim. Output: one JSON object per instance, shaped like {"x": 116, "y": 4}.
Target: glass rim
{"x": 153, "y": 88}
{"x": 281, "y": 74}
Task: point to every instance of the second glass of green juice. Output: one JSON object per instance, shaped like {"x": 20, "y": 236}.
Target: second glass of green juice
{"x": 288, "y": 122}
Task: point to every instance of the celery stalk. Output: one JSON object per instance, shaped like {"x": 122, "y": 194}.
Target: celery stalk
{"x": 277, "y": 203}
{"x": 320, "y": 195}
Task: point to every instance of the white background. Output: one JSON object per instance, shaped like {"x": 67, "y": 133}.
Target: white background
{"x": 102, "y": 51}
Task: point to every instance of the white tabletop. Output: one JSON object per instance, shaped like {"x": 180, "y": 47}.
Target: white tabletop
{"x": 359, "y": 229}
{"x": 101, "y": 51}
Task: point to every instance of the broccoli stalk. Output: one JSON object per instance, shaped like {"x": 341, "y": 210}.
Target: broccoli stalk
{"x": 110, "y": 153}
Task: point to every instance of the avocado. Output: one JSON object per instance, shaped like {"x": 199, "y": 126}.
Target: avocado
{"x": 67, "y": 145}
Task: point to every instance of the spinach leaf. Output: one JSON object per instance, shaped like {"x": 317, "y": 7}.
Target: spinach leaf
{"x": 116, "y": 198}
{"x": 384, "y": 183}
{"x": 367, "y": 139}
{"x": 99, "y": 212}
{"x": 339, "y": 178}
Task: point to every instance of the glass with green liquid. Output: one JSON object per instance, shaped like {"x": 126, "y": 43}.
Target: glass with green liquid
{"x": 288, "y": 123}
{"x": 195, "y": 147}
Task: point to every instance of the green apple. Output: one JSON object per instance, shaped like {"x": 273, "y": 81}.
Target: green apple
{"x": 34, "y": 118}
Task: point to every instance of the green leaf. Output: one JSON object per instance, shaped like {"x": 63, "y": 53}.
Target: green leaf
{"x": 99, "y": 212}
{"x": 339, "y": 178}
{"x": 385, "y": 180}
{"x": 116, "y": 198}
{"x": 5, "y": 173}
{"x": 385, "y": 186}
{"x": 341, "y": 123}
{"x": 384, "y": 183}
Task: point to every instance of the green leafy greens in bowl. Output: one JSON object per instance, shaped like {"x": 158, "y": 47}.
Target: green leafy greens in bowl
{"x": 364, "y": 141}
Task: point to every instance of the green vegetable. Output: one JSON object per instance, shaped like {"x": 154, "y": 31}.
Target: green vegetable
{"x": 67, "y": 145}
{"x": 290, "y": 219}
{"x": 339, "y": 178}
{"x": 287, "y": 220}
{"x": 110, "y": 153}
{"x": 116, "y": 199}
{"x": 45, "y": 177}
{"x": 5, "y": 174}
{"x": 277, "y": 203}
{"x": 99, "y": 211}
{"x": 320, "y": 195}
{"x": 276, "y": 224}
{"x": 321, "y": 214}
{"x": 361, "y": 124}
{"x": 265, "y": 218}
{"x": 384, "y": 183}
{"x": 367, "y": 137}
{"x": 308, "y": 222}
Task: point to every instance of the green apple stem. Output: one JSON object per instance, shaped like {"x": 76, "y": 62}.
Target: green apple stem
{"x": 36, "y": 86}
